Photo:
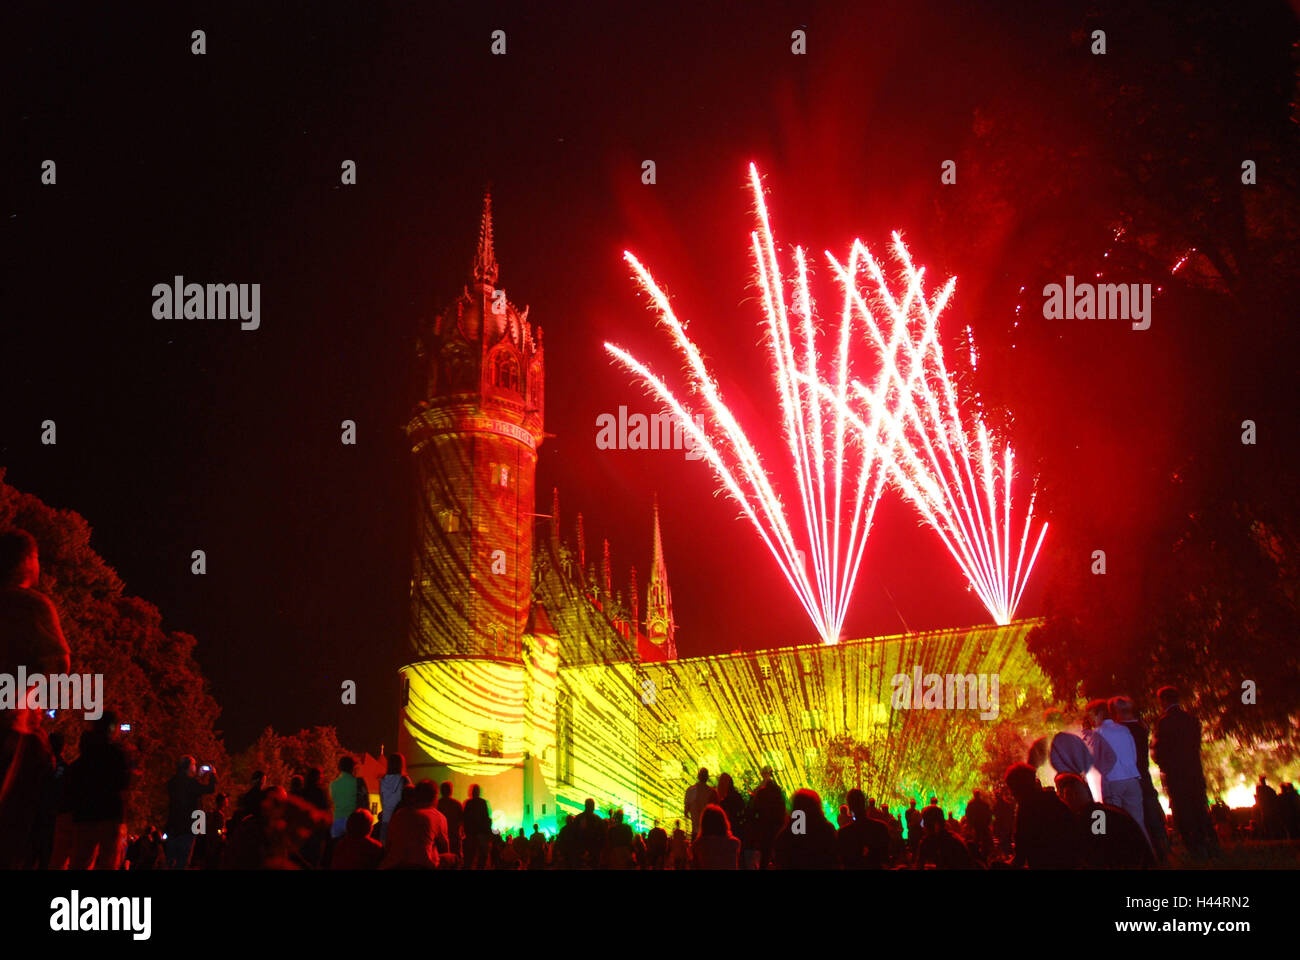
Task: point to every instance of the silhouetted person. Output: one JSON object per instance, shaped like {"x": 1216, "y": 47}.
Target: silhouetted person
{"x": 451, "y": 808}
{"x": 1004, "y": 815}
{"x": 1289, "y": 804}
{"x": 251, "y": 799}
{"x": 1071, "y": 754}
{"x": 344, "y": 792}
{"x": 1109, "y": 837}
{"x": 51, "y": 806}
{"x": 312, "y": 792}
{"x": 477, "y": 825}
{"x": 536, "y": 849}
{"x": 698, "y": 796}
{"x": 1120, "y": 784}
{"x": 939, "y": 846}
{"x": 358, "y": 850}
{"x": 184, "y": 795}
{"x": 679, "y": 850}
{"x": 31, "y": 638}
{"x": 618, "y": 843}
{"x": 732, "y": 804}
{"x": 145, "y": 852}
{"x": 863, "y": 842}
{"x": 209, "y": 845}
{"x": 764, "y": 818}
{"x": 272, "y": 837}
{"x": 568, "y": 851}
{"x": 807, "y": 841}
{"x": 716, "y": 848}
{"x": 390, "y": 791}
{"x": 590, "y": 833}
{"x": 656, "y": 847}
{"x": 415, "y": 831}
{"x": 913, "y": 818}
{"x": 1153, "y": 815}
{"x": 1177, "y": 751}
{"x": 1266, "y": 810}
{"x": 1045, "y": 832}
{"x": 980, "y": 817}
{"x": 98, "y": 781}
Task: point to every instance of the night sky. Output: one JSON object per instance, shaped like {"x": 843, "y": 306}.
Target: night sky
{"x": 182, "y": 434}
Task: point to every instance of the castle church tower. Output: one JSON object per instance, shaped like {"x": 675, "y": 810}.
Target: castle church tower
{"x": 474, "y": 439}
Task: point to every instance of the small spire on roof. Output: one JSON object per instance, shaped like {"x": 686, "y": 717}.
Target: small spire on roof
{"x": 485, "y": 259}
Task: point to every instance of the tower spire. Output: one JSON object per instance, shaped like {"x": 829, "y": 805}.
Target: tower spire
{"x": 485, "y": 258}
{"x": 660, "y": 626}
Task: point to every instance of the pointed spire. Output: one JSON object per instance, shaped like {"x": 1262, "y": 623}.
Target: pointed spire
{"x": 485, "y": 259}
{"x": 660, "y": 627}
{"x": 582, "y": 546}
{"x": 657, "y": 553}
{"x": 555, "y": 514}
{"x": 636, "y": 601}
{"x": 605, "y": 571}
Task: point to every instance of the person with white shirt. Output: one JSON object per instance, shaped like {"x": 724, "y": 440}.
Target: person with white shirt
{"x": 1121, "y": 785}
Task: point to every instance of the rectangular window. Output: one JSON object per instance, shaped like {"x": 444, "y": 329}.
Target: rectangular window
{"x": 774, "y": 759}
{"x": 706, "y": 728}
{"x": 769, "y": 723}
{"x": 812, "y": 720}
{"x": 670, "y": 770}
{"x": 490, "y": 743}
{"x": 670, "y": 732}
{"x": 765, "y": 669}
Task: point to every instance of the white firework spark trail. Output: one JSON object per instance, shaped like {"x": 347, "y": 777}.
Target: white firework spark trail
{"x": 839, "y": 480}
{"x": 944, "y": 467}
{"x": 845, "y": 440}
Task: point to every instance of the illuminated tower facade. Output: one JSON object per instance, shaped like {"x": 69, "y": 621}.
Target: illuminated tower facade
{"x": 474, "y": 439}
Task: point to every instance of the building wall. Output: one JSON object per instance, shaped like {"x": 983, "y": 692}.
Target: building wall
{"x": 801, "y": 710}
{"x": 817, "y": 715}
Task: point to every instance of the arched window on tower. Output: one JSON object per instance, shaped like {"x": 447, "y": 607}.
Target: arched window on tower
{"x": 505, "y": 372}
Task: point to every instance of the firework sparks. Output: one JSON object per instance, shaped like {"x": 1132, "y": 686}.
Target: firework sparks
{"x": 845, "y": 440}
{"x": 946, "y": 469}
{"x": 839, "y": 481}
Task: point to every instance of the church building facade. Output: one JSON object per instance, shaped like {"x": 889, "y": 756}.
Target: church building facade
{"x": 527, "y": 673}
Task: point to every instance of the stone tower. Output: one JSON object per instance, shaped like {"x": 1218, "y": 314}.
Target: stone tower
{"x": 470, "y": 658}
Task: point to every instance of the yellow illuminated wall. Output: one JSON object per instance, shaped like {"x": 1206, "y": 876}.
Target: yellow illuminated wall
{"x": 632, "y": 735}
